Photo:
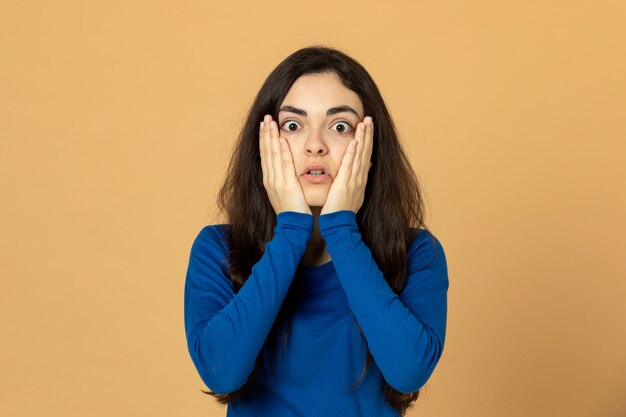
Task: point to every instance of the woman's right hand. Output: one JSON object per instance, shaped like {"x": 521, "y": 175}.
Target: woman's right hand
{"x": 279, "y": 174}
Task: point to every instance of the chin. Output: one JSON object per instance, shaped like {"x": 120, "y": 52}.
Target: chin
{"x": 316, "y": 200}
{"x": 315, "y": 203}
{"x": 315, "y": 194}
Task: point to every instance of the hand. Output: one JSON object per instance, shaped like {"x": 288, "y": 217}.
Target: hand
{"x": 347, "y": 191}
{"x": 279, "y": 174}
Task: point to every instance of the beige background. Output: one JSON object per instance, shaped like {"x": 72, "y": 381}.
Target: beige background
{"x": 116, "y": 123}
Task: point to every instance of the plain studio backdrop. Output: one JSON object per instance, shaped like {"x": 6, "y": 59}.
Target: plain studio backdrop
{"x": 117, "y": 120}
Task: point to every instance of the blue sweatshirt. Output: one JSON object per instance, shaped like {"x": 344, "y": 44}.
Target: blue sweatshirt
{"x": 325, "y": 353}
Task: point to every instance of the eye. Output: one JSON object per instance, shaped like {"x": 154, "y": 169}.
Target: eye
{"x": 343, "y": 127}
{"x": 289, "y": 125}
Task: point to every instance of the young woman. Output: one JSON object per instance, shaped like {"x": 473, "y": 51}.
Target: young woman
{"x": 324, "y": 294}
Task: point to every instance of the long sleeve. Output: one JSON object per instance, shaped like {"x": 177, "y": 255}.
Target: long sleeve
{"x": 405, "y": 333}
{"x": 226, "y": 331}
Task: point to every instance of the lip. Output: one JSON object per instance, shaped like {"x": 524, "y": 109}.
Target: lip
{"x": 316, "y": 166}
{"x": 316, "y": 179}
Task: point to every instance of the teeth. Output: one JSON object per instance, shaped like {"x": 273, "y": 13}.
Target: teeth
{"x": 316, "y": 172}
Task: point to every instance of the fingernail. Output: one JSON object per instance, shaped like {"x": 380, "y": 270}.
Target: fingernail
{"x": 262, "y": 125}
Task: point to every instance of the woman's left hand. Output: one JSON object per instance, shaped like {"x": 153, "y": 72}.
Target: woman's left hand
{"x": 348, "y": 188}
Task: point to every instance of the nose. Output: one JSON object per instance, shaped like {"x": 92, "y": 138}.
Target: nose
{"x": 315, "y": 143}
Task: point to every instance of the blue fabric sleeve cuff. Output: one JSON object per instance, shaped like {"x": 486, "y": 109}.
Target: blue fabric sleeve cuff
{"x": 295, "y": 220}
{"x": 342, "y": 219}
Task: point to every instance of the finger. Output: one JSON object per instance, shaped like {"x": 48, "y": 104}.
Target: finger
{"x": 365, "y": 152}
{"x": 369, "y": 146}
{"x": 269, "y": 154}
{"x": 277, "y": 159}
{"x": 287, "y": 157}
{"x": 358, "y": 150}
{"x": 262, "y": 151}
{"x": 344, "y": 173}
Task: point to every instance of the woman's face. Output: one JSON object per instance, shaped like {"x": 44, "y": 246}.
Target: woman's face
{"x": 318, "y": 117}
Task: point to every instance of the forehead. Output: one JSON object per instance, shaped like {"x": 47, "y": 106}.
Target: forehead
{"x": 316, "y": 93}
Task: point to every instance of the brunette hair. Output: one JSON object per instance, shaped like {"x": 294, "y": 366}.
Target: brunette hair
{"x": 392, "y": 210}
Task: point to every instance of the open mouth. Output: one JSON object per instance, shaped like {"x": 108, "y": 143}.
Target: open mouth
{"x": 316, "y": 178}
{"x": 316, "y": 172}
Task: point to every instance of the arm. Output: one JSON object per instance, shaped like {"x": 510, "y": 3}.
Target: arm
{"x": 405, "y": 334}
{"x": 226, "y": 331}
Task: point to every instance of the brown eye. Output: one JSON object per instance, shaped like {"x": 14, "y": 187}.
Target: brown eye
{"x": 342, "y": 127}
{"x": 290, "y": 126}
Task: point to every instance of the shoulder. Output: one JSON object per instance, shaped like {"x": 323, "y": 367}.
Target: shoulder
{"x": 211, "y": 245}
{"x": 425, "y": 249}
{"x": 427, "y": 267}
{"x": 215, "y": 234}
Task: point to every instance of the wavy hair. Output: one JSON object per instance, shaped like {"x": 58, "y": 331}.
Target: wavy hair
{"x": 391, "y": 214}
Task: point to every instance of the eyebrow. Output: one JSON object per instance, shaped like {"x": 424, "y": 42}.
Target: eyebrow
{"x": 329, "y": 112}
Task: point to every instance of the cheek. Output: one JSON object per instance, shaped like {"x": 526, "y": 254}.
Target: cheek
{"x": 341, "y": 152}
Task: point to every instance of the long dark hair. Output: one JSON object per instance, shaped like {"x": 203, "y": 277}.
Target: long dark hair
{"x": 391, "y": 214}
